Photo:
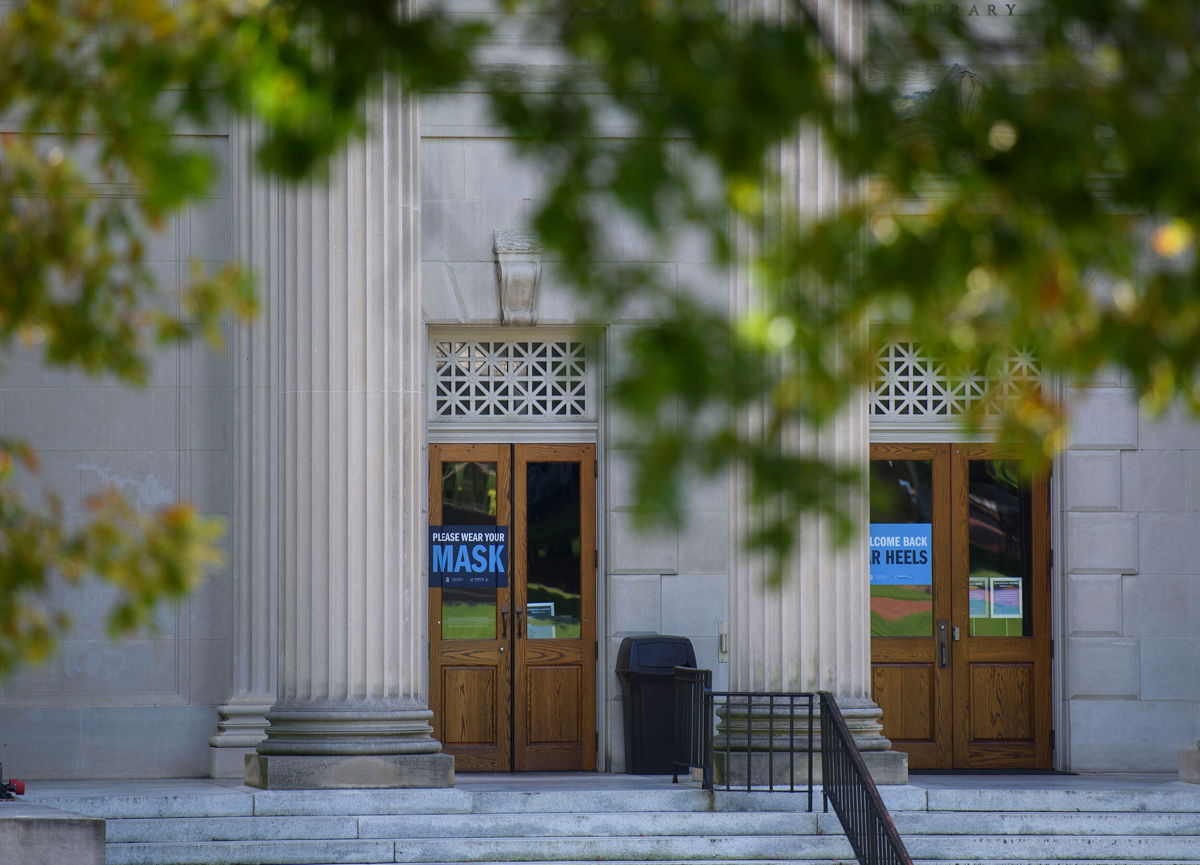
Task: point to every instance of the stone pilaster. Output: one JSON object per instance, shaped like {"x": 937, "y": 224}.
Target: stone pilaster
{"x": 812, "y": 631}
{"x": 351, "y": 708}
{"x": 243, "y": 720}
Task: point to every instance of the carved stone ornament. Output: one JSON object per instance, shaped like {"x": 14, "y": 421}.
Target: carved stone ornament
{"x": 519, "y": 276}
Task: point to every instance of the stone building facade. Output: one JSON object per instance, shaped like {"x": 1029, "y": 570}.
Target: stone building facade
{"x": 310, "y": 435}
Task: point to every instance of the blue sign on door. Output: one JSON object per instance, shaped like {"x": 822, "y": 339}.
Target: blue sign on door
{"x": 901, "y": 554}
{"x": 468, "y": 556}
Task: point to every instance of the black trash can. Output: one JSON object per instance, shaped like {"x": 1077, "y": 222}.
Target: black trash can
{"x": 646, "y": 668}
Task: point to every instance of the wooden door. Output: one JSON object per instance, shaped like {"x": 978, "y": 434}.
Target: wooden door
{"x": 512, "y": 668}
{"x": 554, "y": 579}
{"x": 470, "y": 675}
{"x": 1001, "y": 602}
{"x": 910, "y": 675}
{"x": 961, "y": 665}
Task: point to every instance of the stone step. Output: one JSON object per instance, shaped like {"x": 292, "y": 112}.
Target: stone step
{"x": 243, "y": 801}
{"x": 222, "y": 804}
{"x": 846, "y": 861}
{"x": 364, "y": 802}
{"x": 849, "y": 861}
{"x": 650, "y": 849}
{"x": 339, "y": 852}
{"x": 975, "y": 848}
{"x": 654, "y": 849}
{"x": 1052, "y": 823}
{"x": 608, "y": 824}
{"x": 612, "y": 824}
{"x": 1185, "y": 798}
{"x": 174, "y": 829}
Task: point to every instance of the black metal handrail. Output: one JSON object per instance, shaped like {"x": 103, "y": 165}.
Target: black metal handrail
{"x": 771, "y": 739}
{"x": 763, "y": 741}
{"x": 846, "y": 783}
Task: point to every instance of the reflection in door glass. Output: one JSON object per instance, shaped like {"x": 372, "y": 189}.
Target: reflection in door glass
{"x": 901, "y": 492}
{"x": 553, "y": 582}
{"x": 468, "y": 499}
{"x": 1000, "y": 522}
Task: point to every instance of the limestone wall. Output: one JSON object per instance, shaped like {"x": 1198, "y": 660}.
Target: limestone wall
{"x": 1129, "y": 555}
{"x": 143, "y": 706}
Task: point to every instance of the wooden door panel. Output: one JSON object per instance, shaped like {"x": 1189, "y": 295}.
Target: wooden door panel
{"x": 470, "y": 679}
{"x": 1001, "y": 649}
{"x": 905, "y": 693}
{"x": 554, "y": 704}
{"x": 1002, "y": 756}
{"x": 469, "y": 703}
{"x": 903, "y": 650}
{"x": 1001, "y": 702}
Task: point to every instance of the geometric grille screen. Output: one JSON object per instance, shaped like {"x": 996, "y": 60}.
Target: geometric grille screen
{"x": 496, "y": 379}
{"x": 909, "y": 384}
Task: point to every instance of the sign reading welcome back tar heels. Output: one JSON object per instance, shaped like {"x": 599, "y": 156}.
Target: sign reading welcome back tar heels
{"x": 901, "y": 554}
{"x": 468, "y": 556}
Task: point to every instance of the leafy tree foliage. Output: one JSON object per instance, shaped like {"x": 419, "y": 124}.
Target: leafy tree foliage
{"x": 1038, "y": 191}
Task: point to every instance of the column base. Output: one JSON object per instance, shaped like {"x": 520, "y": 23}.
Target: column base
{"x": 351, "y": 728}
{"x": 1189, "y": 765}
{"x": 395, "y": 771}
{"x": 763, "y": 768}
{"x": 242, "y": 727}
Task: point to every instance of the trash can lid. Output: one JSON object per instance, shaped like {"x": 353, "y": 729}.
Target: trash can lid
{"x": 655, "y": 653}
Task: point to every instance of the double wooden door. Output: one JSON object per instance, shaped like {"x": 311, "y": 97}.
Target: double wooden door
{"x": 960, "y": 602}
{"x": 512, "y": 667}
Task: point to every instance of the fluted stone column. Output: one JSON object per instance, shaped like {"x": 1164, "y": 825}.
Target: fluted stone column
{"x": 351, "y": 709}
{"x": 252, "y": 532}
{"x": 812, "y": 631}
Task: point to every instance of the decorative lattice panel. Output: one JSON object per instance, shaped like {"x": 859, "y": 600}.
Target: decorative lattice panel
{"x": 912, "y": 385}
{"x": 519, "y": 379}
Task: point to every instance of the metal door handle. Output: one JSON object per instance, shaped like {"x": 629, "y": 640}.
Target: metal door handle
{"x": 504, "y": 624}
{"x": 943, "y": 643}
{"x": 520, "y": 613}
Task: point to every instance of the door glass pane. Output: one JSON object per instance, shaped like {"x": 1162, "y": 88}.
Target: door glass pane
{"x": 1000, "y": 522}
{"x": 468, "y": 499}
{"x": 553, "y": 584}
{"x": 901, "y": 552}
